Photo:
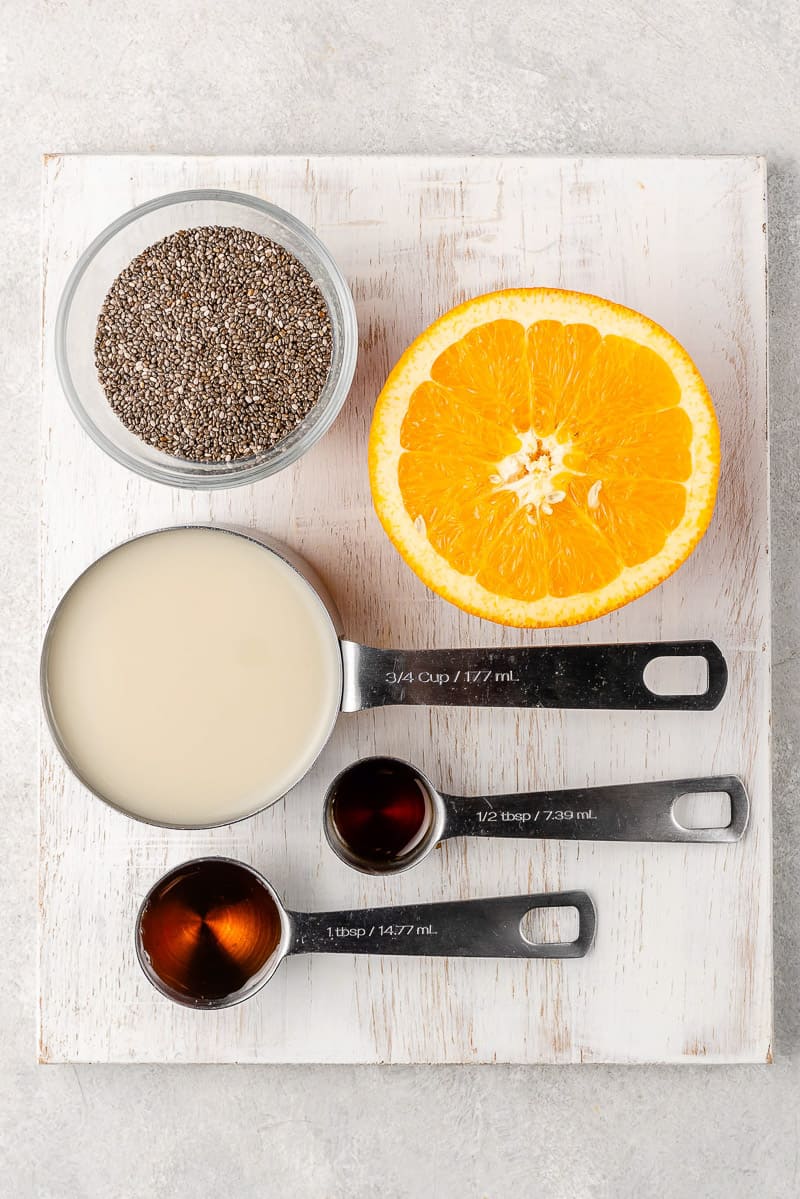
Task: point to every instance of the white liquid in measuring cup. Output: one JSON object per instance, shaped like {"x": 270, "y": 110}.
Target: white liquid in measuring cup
{"x": 192, "y": 676}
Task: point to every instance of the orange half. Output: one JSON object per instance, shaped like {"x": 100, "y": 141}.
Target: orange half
{"x": 541, "y": 457}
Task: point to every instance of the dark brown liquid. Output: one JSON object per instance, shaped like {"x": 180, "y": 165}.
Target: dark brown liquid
{"x": 381, "y": 809}
{"x": 207, "y": 928}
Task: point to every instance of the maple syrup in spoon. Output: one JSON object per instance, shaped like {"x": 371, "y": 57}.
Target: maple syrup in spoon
{"x": 212, "y": 932}
{"x": 207, "y": 930}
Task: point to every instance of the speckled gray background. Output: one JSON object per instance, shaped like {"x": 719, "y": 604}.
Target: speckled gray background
{"x": 418, "y": 76}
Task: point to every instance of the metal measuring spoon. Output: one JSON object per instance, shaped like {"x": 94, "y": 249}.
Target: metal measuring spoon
{"x": 212, "y": 932}
{"x": 383, "y": 815}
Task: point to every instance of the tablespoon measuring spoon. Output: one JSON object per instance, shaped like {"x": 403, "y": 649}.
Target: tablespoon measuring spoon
{"x": 212, "y": 932}
{"x": 383, "y": 815}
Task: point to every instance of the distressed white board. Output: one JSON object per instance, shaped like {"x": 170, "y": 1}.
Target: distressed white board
{"x": 681, "y": 970}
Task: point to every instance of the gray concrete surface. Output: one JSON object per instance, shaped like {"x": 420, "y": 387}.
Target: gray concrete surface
{"x": 372, "y": 76}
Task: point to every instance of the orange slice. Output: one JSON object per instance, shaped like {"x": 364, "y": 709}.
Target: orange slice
{"x": 541, "y": 457}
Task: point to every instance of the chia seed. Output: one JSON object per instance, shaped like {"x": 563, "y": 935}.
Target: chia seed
{"x": 213, "y": 344}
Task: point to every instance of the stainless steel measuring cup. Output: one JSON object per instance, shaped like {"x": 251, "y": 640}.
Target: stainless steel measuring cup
{"x": 465, "y": 928}
{"x": 576, "y": 676}
{"x": 625, "y": 812}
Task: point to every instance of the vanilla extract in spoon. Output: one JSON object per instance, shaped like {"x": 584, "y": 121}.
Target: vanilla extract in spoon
{"x": 383, "y": 815}
{"x": 382, "y": 809}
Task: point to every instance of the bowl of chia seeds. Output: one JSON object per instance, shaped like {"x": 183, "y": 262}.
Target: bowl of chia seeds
{"x": 206, "y": 339}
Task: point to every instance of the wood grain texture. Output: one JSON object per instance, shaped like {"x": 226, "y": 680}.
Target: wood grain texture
{"x": 681, "y": 970}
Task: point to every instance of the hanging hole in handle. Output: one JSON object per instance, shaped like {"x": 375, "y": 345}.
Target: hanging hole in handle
{"x": 677, "y": 676}
{"x": 703, "y": 810}
{"x": 550, "y": 926}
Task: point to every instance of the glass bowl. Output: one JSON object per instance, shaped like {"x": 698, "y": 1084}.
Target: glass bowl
{"x": 111, "y": 252}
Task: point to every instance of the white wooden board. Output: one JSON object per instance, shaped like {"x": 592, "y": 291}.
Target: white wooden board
{"x": 682, "y": 965}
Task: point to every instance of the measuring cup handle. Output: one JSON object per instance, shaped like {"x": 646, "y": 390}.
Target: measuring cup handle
{"x": 472, "y": 928}
{"x": 627, "y": 812}
{"x": 572, "y": 676}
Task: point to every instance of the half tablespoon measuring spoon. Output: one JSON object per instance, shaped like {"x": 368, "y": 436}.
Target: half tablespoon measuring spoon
{"x": 383, "y": 815}
{"x": 212, "y": 931}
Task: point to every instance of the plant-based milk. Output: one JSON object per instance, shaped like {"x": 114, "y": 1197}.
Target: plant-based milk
{"x": 192, "y": 676}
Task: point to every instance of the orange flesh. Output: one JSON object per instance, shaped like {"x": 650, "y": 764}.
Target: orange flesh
{"x": 603, "y": 433}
